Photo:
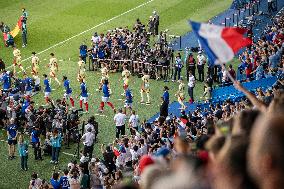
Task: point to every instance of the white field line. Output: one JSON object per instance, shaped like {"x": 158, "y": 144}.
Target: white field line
{"x": 79, "y": 34}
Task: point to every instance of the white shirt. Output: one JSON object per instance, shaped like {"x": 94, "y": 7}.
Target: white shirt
{"x": 88, "y": 138}
{"x": 135, "y": 155}
{"x": 119, "y": 119}
{"x": 89, "y": 126}
{"x": 96, "y": 39}
{"x": 143, "y": 150}
{"x": 133, "y": 120}
{"x": 201, "y": 59}
{"x": 191, "y": 81}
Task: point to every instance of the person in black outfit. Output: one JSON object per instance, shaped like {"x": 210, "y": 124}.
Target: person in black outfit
{"x": 2, "y": 65}
{"x": 109, "y": 159}
{"x": 35, "y": 134}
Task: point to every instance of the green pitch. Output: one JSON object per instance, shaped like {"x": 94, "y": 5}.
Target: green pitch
{"x": 51, "y": 22}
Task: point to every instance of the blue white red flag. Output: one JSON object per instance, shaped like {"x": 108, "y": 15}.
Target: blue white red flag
{"x": 220, "y": 43}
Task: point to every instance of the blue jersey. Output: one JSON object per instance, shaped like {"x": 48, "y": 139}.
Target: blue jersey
{"x": 25, "y": 105}
{"x": 84, "y": 90}
{"x": 128, "y": 96}
{"x": 28, "y": 83}
{"x": 166, "y": 97}
{"x": 35, "y": 136}
{"x": 64, "y": 182}
{"x": 47, "y": 86}
{"x": 6, "y": 81}
{"x": 83, "y": 50}
{"x": 105, "y": 90}
{"x": 68, "y": 89}
{"x": 55, "y": 183}
{"x": 12, "y": 130}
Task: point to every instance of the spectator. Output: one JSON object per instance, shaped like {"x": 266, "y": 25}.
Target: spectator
{"x": 265, "y": 155}
{"x": 12, "y": 133}
{"x": 36, "y": 182}
{"x": 55, "y": 140}
{"x": 64, "y": 181}
{"x": 109, "y": 158}
{"x": 74, "y": 180}
{"x": 54, "y": 181}
{"x": 23, "y": 152}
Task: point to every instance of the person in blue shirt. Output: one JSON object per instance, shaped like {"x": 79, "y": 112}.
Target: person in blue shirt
{"x": 55, "y": 141}
{"x": 12, "y": 133}
{"x": 68, "y": 90}
{"x": 28, "y": 85}
{"x": 6, "y": 79}
{"x": 128, "y": 99}
{"x": 84, "y": 95}
{"x": 106, "y": 96}
{"x": 166, "y": 95}
{"x": 64, "y": 181}
{"x": 23, "y": 152}
{"x": 35, "y": 139}
{"x": 54, "y": 181}
{"x": 83, "y": 51}
{"x": 47, "y": 89}
{"x": 178, "y": 67}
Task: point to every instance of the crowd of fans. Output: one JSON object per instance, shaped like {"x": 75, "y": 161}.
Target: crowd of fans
{"x": 229, "y": 145}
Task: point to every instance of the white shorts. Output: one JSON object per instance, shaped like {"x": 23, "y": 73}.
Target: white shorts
{"x": 128, "y": 105}
{"x": 46, "y": 94}
{"x": 105, "y": 99}
{"x": 84, "y": 99}
{"x": 28, "y": 93}
{"x": 67, "y": 95}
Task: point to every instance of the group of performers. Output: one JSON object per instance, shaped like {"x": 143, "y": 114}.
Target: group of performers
{"x": 104, "y": 83}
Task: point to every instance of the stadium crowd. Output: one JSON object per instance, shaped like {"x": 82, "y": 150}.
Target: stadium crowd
{"x": 229, "y": 145}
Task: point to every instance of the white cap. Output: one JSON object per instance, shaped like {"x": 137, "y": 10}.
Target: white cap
{"x": 93, "y": 160}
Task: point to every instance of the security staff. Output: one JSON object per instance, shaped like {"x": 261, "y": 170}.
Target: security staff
{"x": 200, "y": 66}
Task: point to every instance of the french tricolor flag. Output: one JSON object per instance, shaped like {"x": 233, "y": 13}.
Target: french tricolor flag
{"x": 220, "y": 43}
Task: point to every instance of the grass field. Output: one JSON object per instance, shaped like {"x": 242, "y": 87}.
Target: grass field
{"x": 51, "y": 22}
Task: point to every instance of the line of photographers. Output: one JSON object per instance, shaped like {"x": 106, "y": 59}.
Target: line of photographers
{"x": 56, "y": 124}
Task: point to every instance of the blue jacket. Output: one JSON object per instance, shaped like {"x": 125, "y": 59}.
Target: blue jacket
{"x": 23, "y": 148}
{"x": 56, "y": 142}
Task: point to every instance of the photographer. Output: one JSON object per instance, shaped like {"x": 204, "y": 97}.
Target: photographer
{"x": 88, "y": 141}
{"x": 93, "y": 124}
{"x": 35, "y": 139}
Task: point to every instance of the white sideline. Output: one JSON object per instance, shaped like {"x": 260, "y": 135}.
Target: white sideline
{"x": 102, "y": 23}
